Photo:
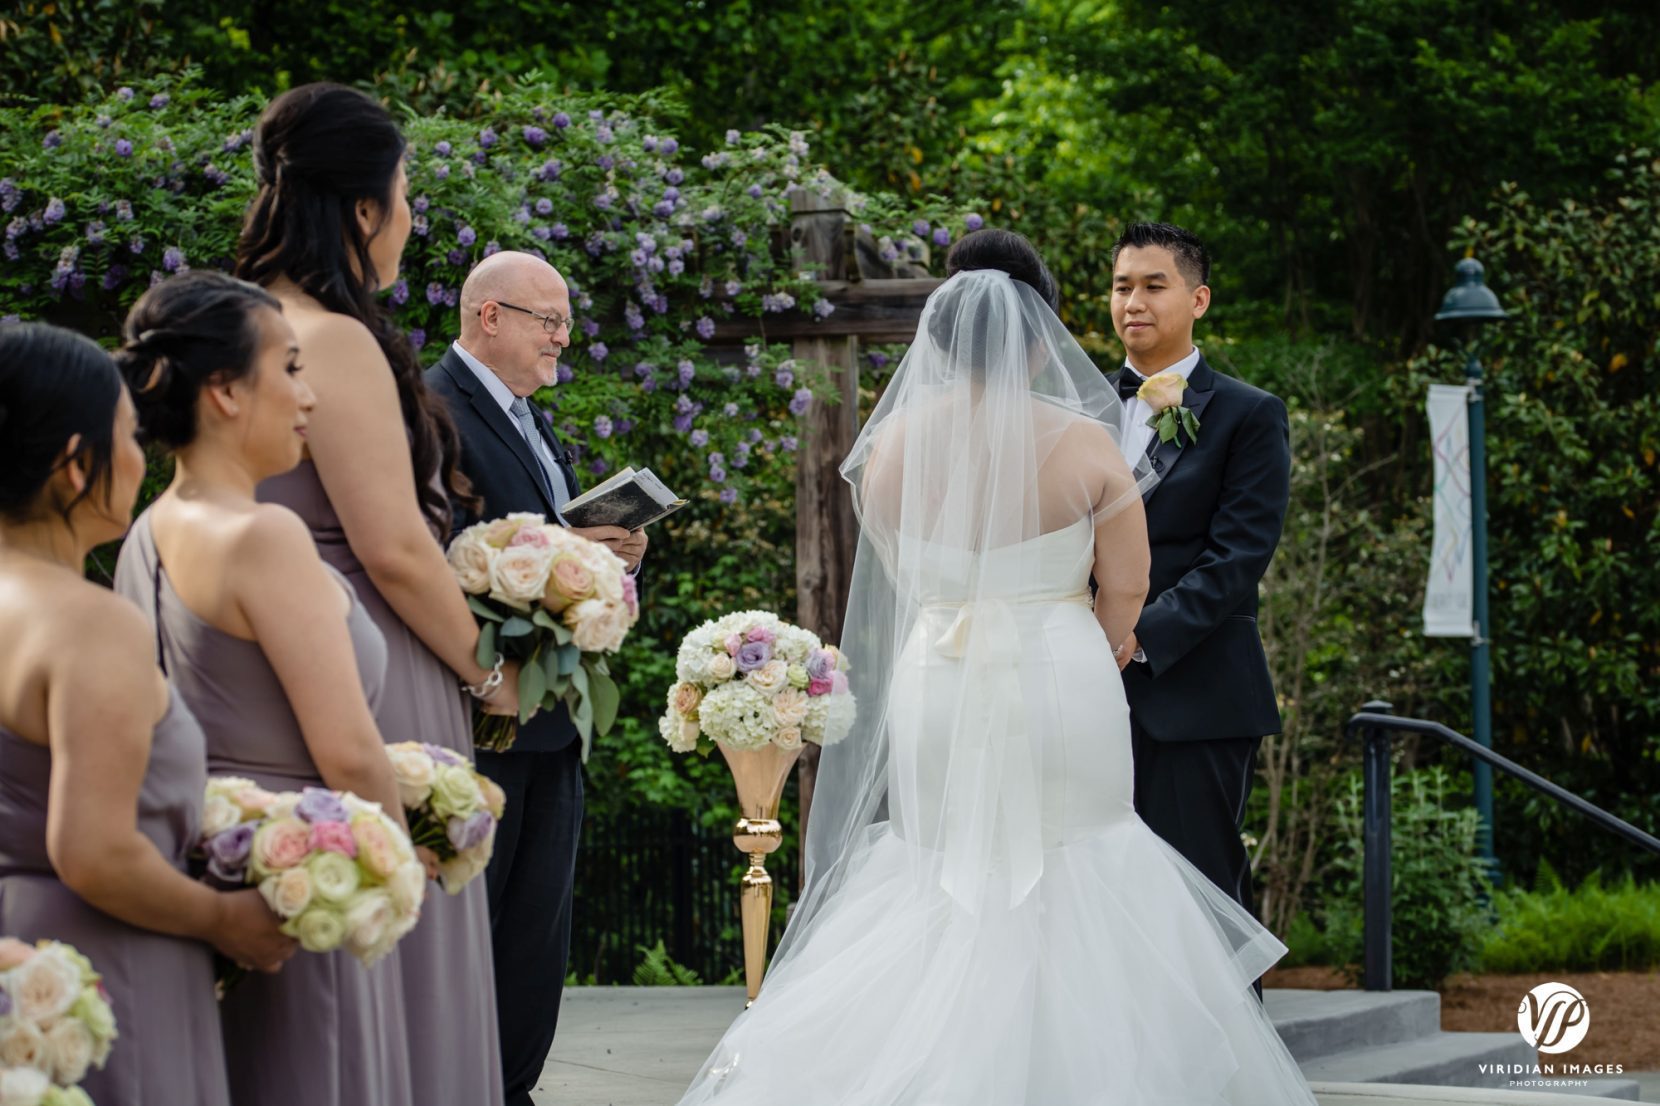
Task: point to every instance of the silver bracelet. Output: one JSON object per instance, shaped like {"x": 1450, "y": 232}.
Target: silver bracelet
{"x": 485, "y": 689}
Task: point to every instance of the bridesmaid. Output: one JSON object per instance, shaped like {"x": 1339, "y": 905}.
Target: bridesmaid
{"x": 325, "y": 232}
{"x": 268, "y": 647}
{"x": 101, "y": 766}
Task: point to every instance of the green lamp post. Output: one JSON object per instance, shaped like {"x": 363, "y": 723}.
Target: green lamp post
{"x": 1471, "y": 304}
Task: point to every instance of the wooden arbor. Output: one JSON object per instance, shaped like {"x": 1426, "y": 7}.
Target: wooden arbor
{"x": 879, "y": 309}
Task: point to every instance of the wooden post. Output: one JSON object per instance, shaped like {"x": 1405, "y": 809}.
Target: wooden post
{"x": 826, "y": 531}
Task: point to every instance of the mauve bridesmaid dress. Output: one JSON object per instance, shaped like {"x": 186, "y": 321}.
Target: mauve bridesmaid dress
{"x": 161, "y": 987}
{"x": 325, "y": 1031}
{"x": 448, "y": 975}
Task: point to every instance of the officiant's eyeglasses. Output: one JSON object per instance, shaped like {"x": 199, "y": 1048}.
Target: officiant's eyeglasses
{"x": 550, "y": 323}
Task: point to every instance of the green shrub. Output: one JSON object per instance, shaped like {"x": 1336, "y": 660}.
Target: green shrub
{"x": 658, "y": 969}
{"x": 1590, "y": 928}
{"x": 1438, "y": 886}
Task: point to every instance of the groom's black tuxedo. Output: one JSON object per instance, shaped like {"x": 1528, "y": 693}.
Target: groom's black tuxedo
{"x": 1202, "y": 700}
{"x": 533, "y": 871}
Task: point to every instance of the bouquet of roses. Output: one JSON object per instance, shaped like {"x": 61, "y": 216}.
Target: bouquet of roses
{"x": 750, "y": 679}
{"x": 31, "y": 1087}
{"x": 334, "y": 867}
{"x": 452, "y": 808}
{"x": 55, "y": 1022}
{"x": 556, "y": 603}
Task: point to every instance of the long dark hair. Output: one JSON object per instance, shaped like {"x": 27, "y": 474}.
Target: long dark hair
{"x": 54, "y": 384}
{"x": 181, "y": 334}
{"x": 318, "y": 150}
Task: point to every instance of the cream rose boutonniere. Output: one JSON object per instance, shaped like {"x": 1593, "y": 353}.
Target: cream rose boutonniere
{"x": 1163, "y": 393}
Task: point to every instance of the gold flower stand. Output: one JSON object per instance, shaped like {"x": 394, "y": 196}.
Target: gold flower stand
{"x": 760, "y": 775}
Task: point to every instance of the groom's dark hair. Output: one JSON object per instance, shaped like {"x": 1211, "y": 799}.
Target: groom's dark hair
{"x": 1191, "y": 256}
{"x": 1008, "y": 252}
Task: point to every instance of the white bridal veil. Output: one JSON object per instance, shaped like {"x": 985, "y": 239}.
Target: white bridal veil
{"x": 996, "y": 431}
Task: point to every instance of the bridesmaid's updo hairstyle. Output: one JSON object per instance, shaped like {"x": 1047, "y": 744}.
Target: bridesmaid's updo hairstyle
{"x": 318, "y": 150}
{"x": 188, "y": 330}
{"x": 54, "y": 384}
{"x": 1009, "y": 252}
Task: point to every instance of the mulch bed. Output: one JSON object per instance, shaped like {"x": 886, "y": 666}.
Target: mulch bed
{"x": 1625, "y": 1008}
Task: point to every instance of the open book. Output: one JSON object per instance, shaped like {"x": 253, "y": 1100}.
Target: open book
{"x": 631, "y": 499}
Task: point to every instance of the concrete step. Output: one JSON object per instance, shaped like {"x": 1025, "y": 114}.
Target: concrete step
{"x": 1322, "y": 1023}
{"x": 1384, "y": 1094}
{"x": 1438, "y": 1059}
{"x": 1395, "y": 1037}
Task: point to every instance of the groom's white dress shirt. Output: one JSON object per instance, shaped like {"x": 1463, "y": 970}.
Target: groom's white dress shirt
{"x": 1137, "y": 434}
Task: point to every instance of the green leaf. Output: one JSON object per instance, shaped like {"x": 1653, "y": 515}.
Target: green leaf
{"x": 1191, "y": 421}
{"x": 543, "y": 619}
{"x": 569, "y": 658}
{"x": 483, "y": 609}
{"x": 606, "y": 698}
{"x": 550, "y": 665}
{"x": 486, "y": 653}
{"x": 532, "y": 686}
{"x": 582, "y": 716}
{"x": 579, "y": 681}
{"x": 517, "y": 627}
{"x": 562, "y": 634}
{"x": 1167, "y": 426}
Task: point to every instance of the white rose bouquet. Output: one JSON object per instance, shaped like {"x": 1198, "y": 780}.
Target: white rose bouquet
{"x": 31, "y": 1087}
{"x": 55, "y": 1022}
{"x": 334, "y": 867}
{"x": 750, "y": 679}
{"x": 452, "y": 808}
{"x": 555, "y": 602}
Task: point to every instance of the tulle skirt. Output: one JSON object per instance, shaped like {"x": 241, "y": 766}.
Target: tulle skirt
{"x": 1122, "y": 977}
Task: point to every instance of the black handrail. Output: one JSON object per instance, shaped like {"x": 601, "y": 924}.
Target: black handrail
{"x": 1378, "y": 726}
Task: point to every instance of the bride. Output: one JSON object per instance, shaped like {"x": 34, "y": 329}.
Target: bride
{"x": 986, "y": 920}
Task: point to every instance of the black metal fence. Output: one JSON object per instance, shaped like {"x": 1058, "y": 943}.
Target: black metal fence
{"x": 659, "y": 876}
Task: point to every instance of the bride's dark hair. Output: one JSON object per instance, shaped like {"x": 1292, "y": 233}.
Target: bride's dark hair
{"x": 1009, "y": 252}
{"x": 318, "y": 150}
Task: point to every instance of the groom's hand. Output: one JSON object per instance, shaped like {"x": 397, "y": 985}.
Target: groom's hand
{"x": 1126, "y": 652}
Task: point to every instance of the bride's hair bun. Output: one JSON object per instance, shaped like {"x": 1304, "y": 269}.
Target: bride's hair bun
{"x": 1008, "y": 252}
{"x": 184, "y": 332}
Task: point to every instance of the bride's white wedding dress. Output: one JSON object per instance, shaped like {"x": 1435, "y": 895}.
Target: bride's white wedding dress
{"x": 998, "y": 927}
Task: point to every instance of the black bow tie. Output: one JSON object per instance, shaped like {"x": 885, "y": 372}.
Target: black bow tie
{"x": 1129, "y": 383}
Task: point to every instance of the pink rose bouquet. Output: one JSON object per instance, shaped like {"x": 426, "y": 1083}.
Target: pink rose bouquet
{"x": 750, "y": 679}
{"x": 55, "y": 1022}
{"x": 452, "y": 808}
{"x": 558, "y": 604}
{"x": 334, "y": 867}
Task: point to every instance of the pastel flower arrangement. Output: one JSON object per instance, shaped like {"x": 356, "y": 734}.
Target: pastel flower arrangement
{"x": 334, "y": 867}
{"x": 750, "y": 679}
{"x": 452, "y": 808}
{"x": 55, "y": 1023}
{"x": 555, "y": 602}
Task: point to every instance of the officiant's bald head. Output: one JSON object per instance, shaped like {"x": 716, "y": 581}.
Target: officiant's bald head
{"x": 516, "y": 318}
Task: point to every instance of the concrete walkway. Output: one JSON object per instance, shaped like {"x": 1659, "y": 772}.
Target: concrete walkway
{"x": 640, "y": 1046}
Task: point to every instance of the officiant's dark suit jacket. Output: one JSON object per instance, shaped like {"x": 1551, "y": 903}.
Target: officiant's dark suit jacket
{"x": 532, "y": 874}
{"x": 1202, "y": 700}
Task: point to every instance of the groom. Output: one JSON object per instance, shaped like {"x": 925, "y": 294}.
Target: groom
{"x": 515, "y": 324}
{"x": 1200, "y": 695}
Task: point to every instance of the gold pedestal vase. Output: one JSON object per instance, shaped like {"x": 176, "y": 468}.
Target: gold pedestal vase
{"x": 760, "y": 775}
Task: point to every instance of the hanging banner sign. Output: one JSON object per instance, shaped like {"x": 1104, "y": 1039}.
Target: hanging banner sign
{"x": 1449, "y": 598}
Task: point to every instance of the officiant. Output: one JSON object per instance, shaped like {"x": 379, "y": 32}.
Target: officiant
{"x": 515, "y": 325}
